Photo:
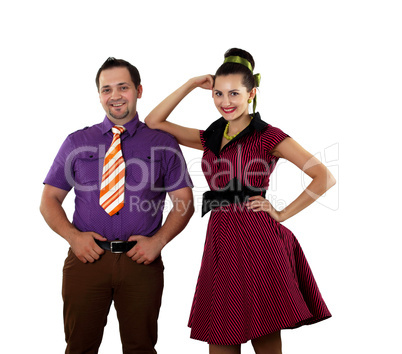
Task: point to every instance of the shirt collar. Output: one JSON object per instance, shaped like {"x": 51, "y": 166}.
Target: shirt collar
{"x": 131, "y": 126}
{"x": 213, "y": 134}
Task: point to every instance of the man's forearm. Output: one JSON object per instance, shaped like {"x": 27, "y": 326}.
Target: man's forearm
{"x": 147, "y": 249}
{"x": 81, "y": 243}
{"x": 176, "y": 221}
{"x": 54, "y": 214}
{"x": 57, "y": 220}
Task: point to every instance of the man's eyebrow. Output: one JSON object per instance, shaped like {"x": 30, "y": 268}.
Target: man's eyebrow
{"x": 119, "y": 84}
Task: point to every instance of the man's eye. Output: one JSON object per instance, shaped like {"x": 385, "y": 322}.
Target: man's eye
{"x": 105, "y": 91}
{"x": 124, "y": 88}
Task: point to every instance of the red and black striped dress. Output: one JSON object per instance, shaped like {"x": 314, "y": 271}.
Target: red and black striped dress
{"x": 254, "y": 278}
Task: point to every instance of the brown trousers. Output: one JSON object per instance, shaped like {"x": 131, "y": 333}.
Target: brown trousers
{"x": 88, "y": 291}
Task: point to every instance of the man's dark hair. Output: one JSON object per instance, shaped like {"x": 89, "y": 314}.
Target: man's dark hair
{"x": 120, "y": 63}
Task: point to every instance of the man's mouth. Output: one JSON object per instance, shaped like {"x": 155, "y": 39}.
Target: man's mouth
{"x": 117, "y": 104}
{"x": 229, "y": 109}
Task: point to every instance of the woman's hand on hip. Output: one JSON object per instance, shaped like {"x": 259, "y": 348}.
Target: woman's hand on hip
{"x": 259, "y": 203}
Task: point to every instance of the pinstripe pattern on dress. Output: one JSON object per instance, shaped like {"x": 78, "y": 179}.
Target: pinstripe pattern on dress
{"x": 254, "y": 277}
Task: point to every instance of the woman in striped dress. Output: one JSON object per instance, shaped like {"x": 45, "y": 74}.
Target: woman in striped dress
{"x": 254, "y": 280}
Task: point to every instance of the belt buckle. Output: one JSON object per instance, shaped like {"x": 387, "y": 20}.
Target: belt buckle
{"x": 113, "y": 243}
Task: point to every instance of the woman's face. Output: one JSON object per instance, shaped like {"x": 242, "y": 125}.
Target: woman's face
{"x": 231, "y": 96}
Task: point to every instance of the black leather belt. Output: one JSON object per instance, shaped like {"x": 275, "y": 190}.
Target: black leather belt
{"x": 234, "y": 192}
{"x": 116, "y": 246}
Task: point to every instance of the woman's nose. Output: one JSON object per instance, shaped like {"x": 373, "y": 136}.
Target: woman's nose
{"x": 226, "y": 101}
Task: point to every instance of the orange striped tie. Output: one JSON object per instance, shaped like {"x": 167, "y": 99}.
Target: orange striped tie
{"x": 112, "y": 187}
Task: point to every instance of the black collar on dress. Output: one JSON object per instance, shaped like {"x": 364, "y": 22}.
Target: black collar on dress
{"x": 213, "y": 134}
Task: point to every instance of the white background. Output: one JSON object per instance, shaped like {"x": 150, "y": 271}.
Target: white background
{"x": 331, "y": 78}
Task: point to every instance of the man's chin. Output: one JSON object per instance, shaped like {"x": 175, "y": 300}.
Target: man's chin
{"x": 119, "y": 116}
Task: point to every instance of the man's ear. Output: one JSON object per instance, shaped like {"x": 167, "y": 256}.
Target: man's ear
{"x": 139, "y": 91}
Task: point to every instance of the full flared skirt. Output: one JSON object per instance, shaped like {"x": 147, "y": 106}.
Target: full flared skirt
{"x": 254, "y": 280}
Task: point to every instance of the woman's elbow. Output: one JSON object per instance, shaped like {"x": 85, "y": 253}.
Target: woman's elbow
{"x": 324, "y": 178}
{"x": 150, "y": 124}
{"x": 330, "y": 179}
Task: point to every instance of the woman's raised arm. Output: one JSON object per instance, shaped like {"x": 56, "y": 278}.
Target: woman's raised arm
{"x": 157, "y": 118}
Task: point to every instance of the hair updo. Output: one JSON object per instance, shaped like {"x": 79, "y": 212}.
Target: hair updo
{"x": 236, "y": 68}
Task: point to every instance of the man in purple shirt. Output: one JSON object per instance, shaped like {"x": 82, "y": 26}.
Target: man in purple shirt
{"x": 116, "y": 258}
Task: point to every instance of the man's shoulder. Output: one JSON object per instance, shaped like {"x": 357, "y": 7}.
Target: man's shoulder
{"x": 86, "y": 130}
{"x": 158, "y": 137}
{"x": 85, "y": 135}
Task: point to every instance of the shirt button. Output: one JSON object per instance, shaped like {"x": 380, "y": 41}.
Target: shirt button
{"x": 117, "y": 213}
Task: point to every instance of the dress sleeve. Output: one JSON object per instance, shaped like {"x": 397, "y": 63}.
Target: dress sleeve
{"x": 271, "y": 137}
{"x": 202, "y": 138}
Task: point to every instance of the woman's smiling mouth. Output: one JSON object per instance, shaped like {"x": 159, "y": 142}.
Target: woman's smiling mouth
{"x": 229, "y": 109}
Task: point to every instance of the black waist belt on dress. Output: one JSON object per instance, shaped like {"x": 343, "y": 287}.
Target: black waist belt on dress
{"x": 231, "y": 194}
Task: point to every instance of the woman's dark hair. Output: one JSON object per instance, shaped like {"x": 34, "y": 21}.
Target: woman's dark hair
{"x": 237, "y": 68}
{"x": 119, "y": 63}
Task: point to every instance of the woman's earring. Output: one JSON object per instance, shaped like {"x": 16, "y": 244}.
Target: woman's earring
{"x": 250, "y": 100}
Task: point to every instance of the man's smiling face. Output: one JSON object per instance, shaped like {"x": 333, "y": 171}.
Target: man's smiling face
{"x": 118, "y": 95}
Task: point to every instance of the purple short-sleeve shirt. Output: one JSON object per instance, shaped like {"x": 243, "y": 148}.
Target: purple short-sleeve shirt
{"x": 154, "y": 166}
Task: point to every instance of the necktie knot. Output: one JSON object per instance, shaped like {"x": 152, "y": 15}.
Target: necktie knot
{"x": 118, "y": 129}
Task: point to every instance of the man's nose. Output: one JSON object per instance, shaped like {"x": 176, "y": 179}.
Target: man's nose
{"x": 115, "y": 95}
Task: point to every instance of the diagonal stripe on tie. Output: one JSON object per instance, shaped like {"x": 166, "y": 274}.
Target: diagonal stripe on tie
{"x": 118, "y": 165}
{"x": 112, "y": 187}
{"x": 113, "y": 199}
{"x": 113, "y": 178}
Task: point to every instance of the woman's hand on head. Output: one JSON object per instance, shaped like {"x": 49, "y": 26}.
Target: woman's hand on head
{"x": 205, "y": 81}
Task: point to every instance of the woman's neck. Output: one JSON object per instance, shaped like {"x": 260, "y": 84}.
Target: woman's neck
{"x": 239, "y": 124}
